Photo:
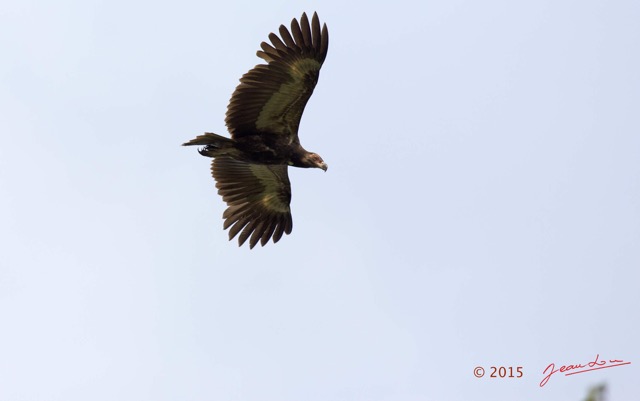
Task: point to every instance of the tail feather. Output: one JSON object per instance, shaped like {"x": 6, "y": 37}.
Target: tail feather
{"x": 209, "y": 138}
{"x": 215, "y": 145}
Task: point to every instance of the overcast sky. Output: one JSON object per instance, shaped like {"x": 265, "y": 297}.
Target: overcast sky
{"x": 481, "y": 207}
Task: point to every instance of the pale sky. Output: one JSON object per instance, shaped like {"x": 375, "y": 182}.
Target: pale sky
{"x": 481, "y": 207}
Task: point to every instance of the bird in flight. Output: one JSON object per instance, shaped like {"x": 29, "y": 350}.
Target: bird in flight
{"x": 263, "y": 117}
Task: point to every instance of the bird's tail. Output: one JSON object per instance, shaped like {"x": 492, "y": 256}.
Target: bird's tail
{"x": 209, "y": 138}
{"x": 214, "y": 144}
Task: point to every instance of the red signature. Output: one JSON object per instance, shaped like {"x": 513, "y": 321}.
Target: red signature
{"x": 593, "y": 365}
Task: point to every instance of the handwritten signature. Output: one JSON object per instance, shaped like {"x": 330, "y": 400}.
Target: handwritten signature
{"x": 580, "y": 368}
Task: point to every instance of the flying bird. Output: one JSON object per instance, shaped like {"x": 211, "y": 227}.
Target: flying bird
{"x": 263, "y": 117}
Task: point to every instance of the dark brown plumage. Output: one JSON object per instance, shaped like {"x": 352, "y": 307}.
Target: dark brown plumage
{"x": 263, "y": 117}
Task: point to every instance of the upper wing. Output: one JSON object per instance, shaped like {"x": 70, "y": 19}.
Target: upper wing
{"x": 258, "y": 197}
{"x": 271, "y": 97}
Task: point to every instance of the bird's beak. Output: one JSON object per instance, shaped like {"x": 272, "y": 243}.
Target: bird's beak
{"x": 324, "y": 166}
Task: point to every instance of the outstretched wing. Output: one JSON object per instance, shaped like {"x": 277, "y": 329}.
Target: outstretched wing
{"x": 258, "y": 197}
{"x": 271, "y": 97}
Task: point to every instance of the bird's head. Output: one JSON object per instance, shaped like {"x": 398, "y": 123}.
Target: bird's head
{"x": 314, "y": 160}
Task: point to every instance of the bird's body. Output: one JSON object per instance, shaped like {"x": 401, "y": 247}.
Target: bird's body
{"x": 263, "y": 117}
{"x": 259, "y": 148}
